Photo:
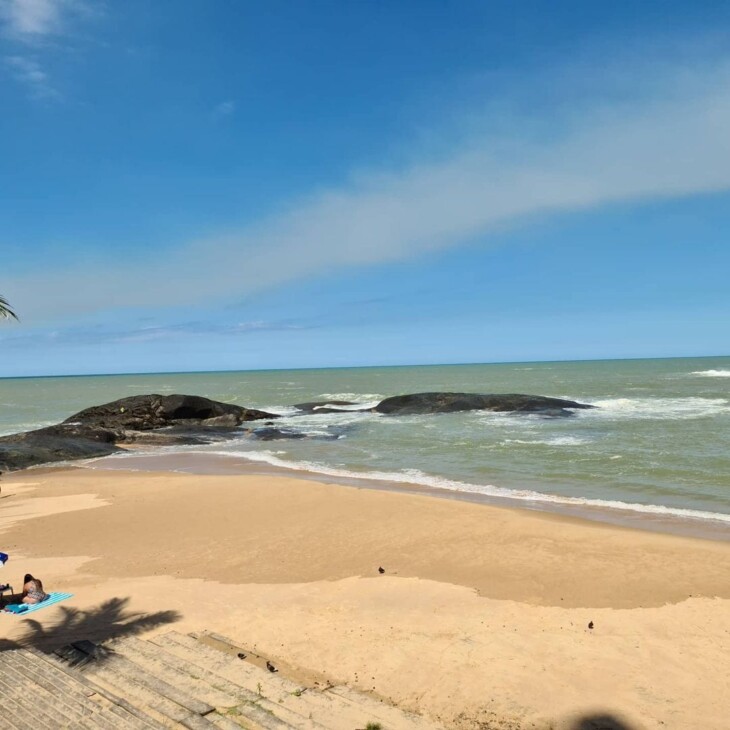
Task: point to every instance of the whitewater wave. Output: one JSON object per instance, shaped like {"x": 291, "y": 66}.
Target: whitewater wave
{"x": 416, "y": 476}
{"x": 362, "y": 401}
{"x": 657, "y": 408}
{"x": 354, "y": 407}
{"x": 712, "y": 373}
{"x": 279, "y": 410}
{"x": 555, "y": 441}
{"x": 309, "y": 422}
{"x": 356, "y": 397}
{"x": 22, "y": 427}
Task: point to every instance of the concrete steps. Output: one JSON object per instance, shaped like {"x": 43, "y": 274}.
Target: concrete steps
{"x": 175, "y": 680}
{"x": 34, "y": 691}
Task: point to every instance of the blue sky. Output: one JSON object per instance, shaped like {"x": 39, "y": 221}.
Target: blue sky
{"x": 223, "y": 184}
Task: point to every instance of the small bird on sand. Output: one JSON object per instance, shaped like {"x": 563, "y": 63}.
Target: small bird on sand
{"x": 271, "y": 667}
{"x": 381, "y": 571}
{"x": 590, "y": 624}
{"x": 241, "y": 655}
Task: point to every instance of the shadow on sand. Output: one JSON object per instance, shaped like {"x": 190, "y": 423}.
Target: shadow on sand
{"x": 601, "y": 721}
{"x": 109, "y": 620}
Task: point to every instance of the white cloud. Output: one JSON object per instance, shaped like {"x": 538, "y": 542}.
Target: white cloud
{"x": 671, "y": 145}
{"x": 29, "y": 19}
{"x": 224, "y": 109}
{"x": 30, "y": 23}
{"x": 30, "y": 73}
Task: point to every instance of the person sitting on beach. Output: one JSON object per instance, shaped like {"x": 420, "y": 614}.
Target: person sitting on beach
{"x": 33, "y": 590}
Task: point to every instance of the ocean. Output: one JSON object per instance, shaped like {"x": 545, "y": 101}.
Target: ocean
{"x": 656, "y": 447}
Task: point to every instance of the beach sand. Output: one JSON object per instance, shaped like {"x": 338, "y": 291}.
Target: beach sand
{"x": 480, "y": 620}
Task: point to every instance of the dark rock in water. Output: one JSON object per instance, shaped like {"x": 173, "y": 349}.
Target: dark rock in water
{"x": 169, "y": 437}
{"x": 150, "y": 419}
{"x": 55, "y": 443}
{"x": 147, "y": 412}
{"x": 324, "y": 406}
{"x": 418, "y": 403}
{"x": 274, "y": 434}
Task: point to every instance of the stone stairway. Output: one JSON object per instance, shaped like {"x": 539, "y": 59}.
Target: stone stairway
{"x": 175, "y": 680}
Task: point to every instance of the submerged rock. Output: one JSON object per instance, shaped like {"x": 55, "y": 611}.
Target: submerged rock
{"x": 276, "y": 434}
{"x": 420, "y": 403}
{"x": 325, "y": 406}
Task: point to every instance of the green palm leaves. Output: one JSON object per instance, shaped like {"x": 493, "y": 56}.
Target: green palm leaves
{"x": 5, "y": 311}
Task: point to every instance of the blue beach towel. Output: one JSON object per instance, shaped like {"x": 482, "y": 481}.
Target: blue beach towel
{"x": 24, "y": 609}
{"x": 16, "y": 608}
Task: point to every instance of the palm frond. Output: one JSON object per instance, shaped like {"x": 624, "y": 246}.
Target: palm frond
{"x": 5, "y": 311}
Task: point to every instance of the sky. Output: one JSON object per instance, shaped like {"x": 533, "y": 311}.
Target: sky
{"x": 222, "y": 184}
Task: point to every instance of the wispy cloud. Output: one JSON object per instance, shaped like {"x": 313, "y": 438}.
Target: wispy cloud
{"x": 667, "y": 144}
{"x": 30, "y": 24}
{"x": 29, "y": 19}
{"x": 103, "y": 335}
{"x": 224, "y": 109}
{"x": 29, "y": 72}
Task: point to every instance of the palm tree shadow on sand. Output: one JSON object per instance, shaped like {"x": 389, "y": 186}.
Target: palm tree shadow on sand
{"x": 110, "y": 619}
{"x": 601, "y": 721}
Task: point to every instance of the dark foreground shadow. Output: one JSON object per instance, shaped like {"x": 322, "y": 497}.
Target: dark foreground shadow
{"x": 109, "y": 620}
{"x": 601, "y": 721}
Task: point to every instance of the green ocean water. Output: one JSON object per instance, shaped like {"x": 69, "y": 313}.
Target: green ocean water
{"x": 658, "y": 441}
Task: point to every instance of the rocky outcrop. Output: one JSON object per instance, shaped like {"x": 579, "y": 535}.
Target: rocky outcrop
{"x": 277, "y": 434}
{"x": 191, "y": 419}
{"x": 55, "y": 443}
{"x": 147, "y": 412}
{"x": 419, "y": 403}
{"x": 148, "y": 419}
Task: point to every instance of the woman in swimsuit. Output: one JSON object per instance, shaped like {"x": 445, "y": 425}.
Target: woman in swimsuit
{"x": 33, "y": 590}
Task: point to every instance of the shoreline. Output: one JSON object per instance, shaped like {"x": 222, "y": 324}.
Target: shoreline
{"x": 473, "y": 596}
{"x": 465, "y": 517}
{"x": 219, "y": 464}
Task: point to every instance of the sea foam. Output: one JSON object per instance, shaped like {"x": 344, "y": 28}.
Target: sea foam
{"x": 712, "y": 373}
{"x": 420, "y": 478}
{"x": 658, "y": 408}
{"x": 554, "y": 441}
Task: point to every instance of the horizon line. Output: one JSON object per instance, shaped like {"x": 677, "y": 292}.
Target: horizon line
{"x": 360, "y": 367}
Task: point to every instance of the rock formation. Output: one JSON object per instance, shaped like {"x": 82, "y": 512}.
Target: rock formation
{"x": 153, "y": 419}
{"x": 191, "y": 419}
{"x": 418, "y": 403}
{"x": 147, "y": 412}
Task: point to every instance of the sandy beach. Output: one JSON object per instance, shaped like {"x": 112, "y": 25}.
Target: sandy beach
{"x": 480, "y": 619}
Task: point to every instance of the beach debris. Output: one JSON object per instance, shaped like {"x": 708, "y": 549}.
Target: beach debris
{"x": 381, "y": 570}
{"x": 241, "y": 655}
{"x": 590, "y": 624}
{"x": 270, "y": 666}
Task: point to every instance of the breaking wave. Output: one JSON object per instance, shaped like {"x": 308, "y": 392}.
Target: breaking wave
{"x": 712, "y": 373}
{"x": 658, "y": 408}
{"x": 417, "y": 477}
